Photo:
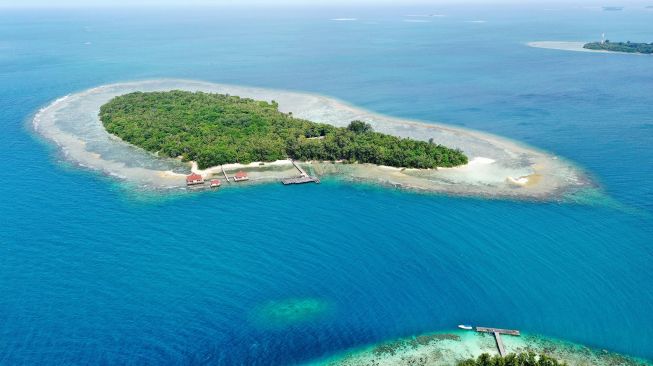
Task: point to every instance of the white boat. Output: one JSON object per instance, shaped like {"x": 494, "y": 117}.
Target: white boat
{"x": 465, "y": 327}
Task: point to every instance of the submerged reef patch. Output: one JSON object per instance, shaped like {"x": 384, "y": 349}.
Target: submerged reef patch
{"x": 288, "y": 312}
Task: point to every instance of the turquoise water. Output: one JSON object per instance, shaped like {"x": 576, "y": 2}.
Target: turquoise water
{"x": 93, "y": 272}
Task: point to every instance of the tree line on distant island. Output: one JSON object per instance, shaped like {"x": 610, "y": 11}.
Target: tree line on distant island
{"x": 630, "y": 47}
{"x": 521, "y": 359}
{"x": 214, "y": 129}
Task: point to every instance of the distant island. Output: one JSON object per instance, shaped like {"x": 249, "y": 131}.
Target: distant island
{"x": 214, "y": 129}
{"x": 628, "y": 47}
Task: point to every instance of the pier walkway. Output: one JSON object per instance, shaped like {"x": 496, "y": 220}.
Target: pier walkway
{"x": 497, "y": 336}
{"x": 303, "y": 176}
{"x": 225, "y": 174}
{"x": 301, "y": 171}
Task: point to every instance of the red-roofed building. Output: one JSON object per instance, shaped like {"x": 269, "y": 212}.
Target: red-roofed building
{"x": 215, "y": 183}
{"x": 194, "y": 179}
{"x": 240, "y": 176}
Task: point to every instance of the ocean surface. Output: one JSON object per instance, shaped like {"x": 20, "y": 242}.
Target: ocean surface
{"x": 93, "y": 271}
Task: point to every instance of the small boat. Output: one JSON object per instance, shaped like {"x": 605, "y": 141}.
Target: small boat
{"x": 465, "y": 327}
{"x": 215, "y": 183}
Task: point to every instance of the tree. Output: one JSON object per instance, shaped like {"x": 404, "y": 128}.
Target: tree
{"x": 359, "y": 127}
{"x": 521, "y": 359}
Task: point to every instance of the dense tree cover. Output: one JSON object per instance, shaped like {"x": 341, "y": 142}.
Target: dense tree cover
{"x": 522, "y": 359}
{"x": 215, "y": 129}
{"x": 630, "y": 47}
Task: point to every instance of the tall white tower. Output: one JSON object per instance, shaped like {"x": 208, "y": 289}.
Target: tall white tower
{"x": 602, "y": 38}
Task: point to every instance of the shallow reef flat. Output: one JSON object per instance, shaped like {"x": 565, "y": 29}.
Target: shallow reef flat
{"x": 497, "y": 167}
{"x": 447, "y": 348}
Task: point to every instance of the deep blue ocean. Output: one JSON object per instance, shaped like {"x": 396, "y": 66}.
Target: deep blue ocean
{"x": 93, "y": 272}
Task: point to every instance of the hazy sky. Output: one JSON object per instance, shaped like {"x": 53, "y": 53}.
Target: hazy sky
{"x": 66, "y": 3}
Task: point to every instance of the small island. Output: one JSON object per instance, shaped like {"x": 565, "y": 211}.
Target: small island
{"x": 140, "y": 132}
{"x": 213, "y": 129}
{"x": 628, "y": 47}
{"x": 463, "y": 348}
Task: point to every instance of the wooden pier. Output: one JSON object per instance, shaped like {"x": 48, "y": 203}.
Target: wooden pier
{"x": 226, "y": 178}
{"x": 301, "y": 171}
{"x": 497, "y": 336}
{"x": 303, "y": 177}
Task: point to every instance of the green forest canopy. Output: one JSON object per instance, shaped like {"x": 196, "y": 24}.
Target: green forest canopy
{"x": 521, "y": 359}
{"x": 630, "y": 47}
{"x": 214, "y": 129}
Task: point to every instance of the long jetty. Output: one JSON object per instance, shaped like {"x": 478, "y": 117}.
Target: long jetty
{"x": 497, "y": 336}
{"x": 303, "y": 176}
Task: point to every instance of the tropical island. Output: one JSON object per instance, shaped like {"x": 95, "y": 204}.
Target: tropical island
{"x": 213, "y": 129}
{"x": 628, "y": 47}
{"x": 297, "y": 126}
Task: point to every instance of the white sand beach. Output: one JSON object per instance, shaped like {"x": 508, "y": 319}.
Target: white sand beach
{"x": 497, "y": 167}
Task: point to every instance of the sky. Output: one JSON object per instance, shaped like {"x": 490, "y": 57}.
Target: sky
{"x": 87, "y": 3}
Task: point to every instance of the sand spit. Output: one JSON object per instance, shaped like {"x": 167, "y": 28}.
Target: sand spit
{"x": 498, "y": 167}
{"x": 563, "y": 46}
{"x": 440, "y": 349}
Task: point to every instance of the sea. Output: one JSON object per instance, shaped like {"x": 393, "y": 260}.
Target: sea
{"x": 94, "y": 271}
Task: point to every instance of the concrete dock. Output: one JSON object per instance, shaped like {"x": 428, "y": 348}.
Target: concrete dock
{"x": 303, "y": 176}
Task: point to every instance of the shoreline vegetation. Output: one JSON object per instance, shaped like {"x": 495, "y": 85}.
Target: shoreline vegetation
{"x": 624, "y": 47}
{"x": 215, "y": 129}
{"x": 513, "y": 359}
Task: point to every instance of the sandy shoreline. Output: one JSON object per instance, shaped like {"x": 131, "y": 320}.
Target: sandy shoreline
{"x": 498, "y": 167}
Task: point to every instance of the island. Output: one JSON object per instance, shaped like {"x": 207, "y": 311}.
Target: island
{"x": 214, "y": 129}
{"x": 141, "y": 134}
{"x": 627, "y": 47}
{"x": 465, "y": 348}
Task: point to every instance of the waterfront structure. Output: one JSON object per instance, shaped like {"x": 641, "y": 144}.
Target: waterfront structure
{"x": 240, "y": 176}
{"x": 194, "y": 179}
